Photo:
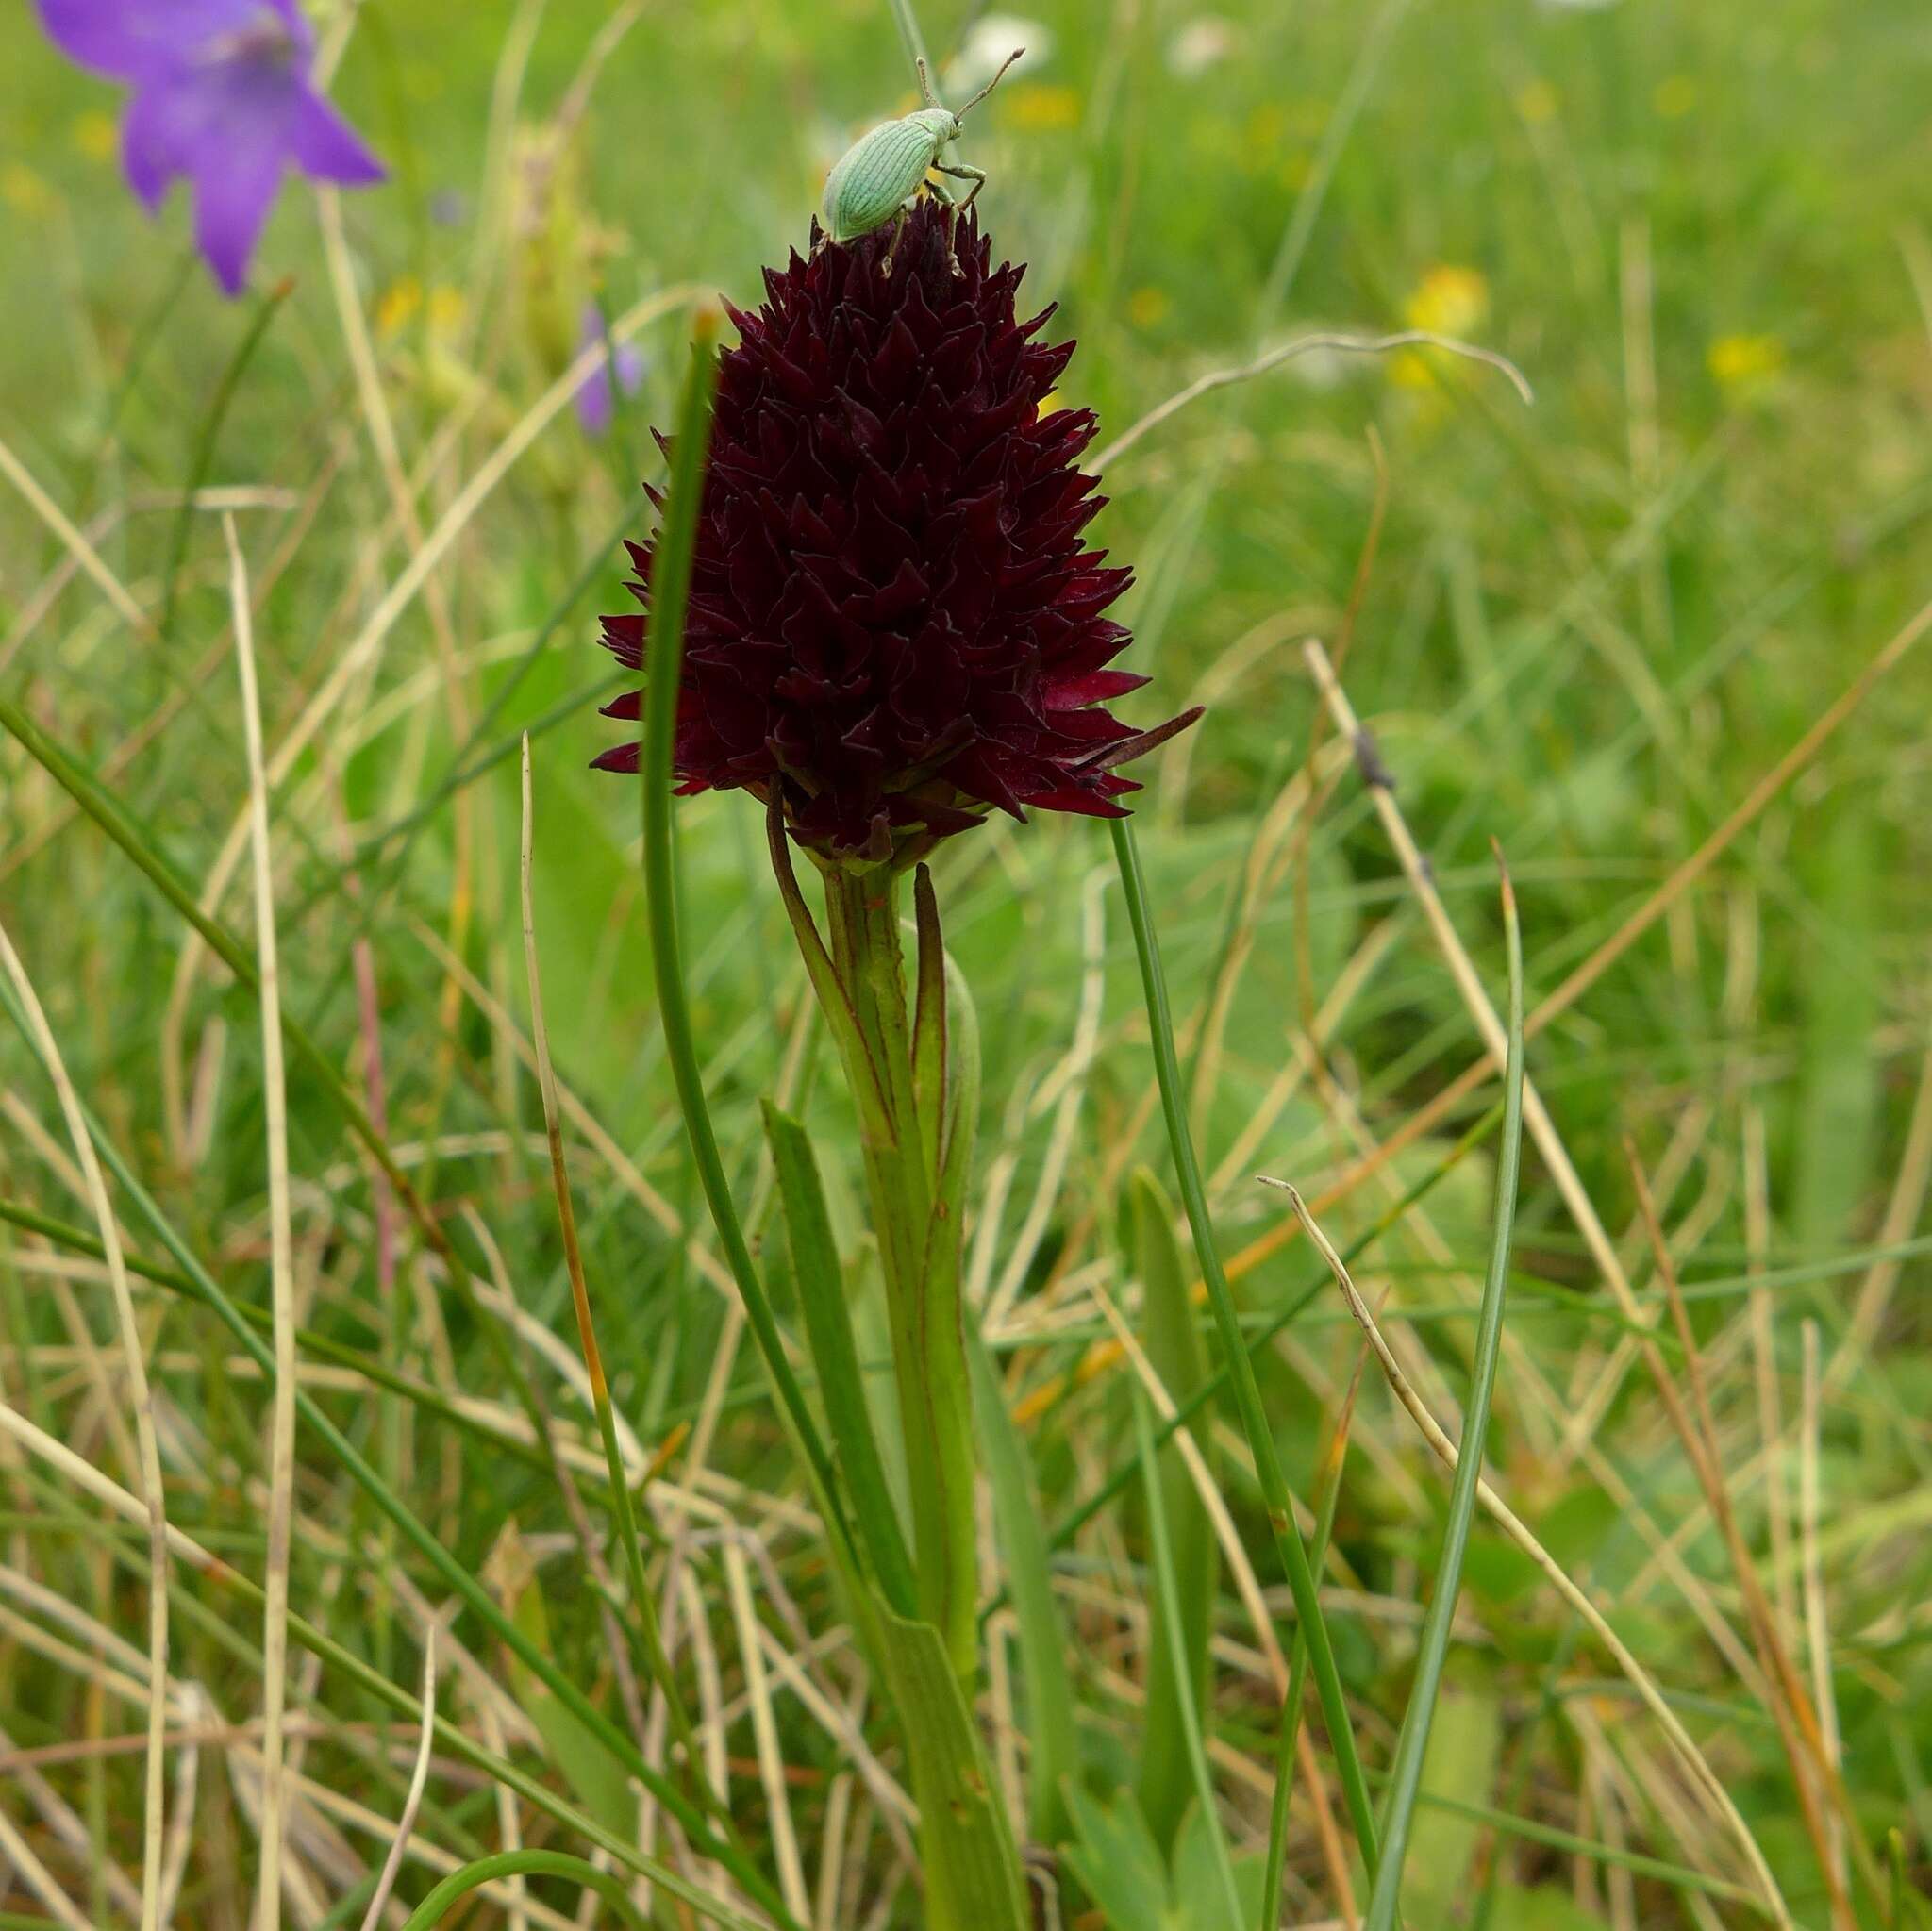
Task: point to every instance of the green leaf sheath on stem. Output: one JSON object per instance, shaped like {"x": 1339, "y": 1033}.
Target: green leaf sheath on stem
{"x": 671, "y": 576}
{"x": 1174, "y": 1349}
{"x": 835, "y": 1356}
{"x": 1275, "y": 1492}
{"x": 915, "y": 1084}
{"x": 1411, "y": 1747}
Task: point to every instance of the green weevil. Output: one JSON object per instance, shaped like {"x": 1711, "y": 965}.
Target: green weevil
{"x": 882, "y": 173}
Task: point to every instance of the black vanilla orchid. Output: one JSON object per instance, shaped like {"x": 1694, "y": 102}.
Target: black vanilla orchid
{"x": 893, "y": 619}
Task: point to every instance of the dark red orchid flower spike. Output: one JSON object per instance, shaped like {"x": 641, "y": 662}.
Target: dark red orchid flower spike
{"x": 893, "y": 619}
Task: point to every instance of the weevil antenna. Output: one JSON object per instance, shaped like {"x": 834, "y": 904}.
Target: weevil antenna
{"x": 932, "y": 100}
{"x": 990, "y": 84}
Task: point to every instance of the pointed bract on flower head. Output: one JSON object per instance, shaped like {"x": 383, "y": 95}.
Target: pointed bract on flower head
{"x": 892, "y": 616}
{"x": 222, "y": 96}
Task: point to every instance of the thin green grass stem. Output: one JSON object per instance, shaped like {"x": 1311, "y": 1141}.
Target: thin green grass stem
{"x": 1162, "y": 1553}
{"x": 1412, "y": 1745}
{"x": 423, "y": 1541}
{"x": 1274, "y": 1492}
{"x": 664, "y": 647}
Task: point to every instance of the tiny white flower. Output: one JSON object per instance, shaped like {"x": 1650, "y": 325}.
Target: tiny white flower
{"x": 988, "y": 44}
{"x": 1201, "y": 43}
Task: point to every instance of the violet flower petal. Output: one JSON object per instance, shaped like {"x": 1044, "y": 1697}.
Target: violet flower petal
{"x": 222, "y": 96}
{"x": 225, "y": 128}
{"x": 596, "y": 401}
{"x": 138, "y": 39}
{"x": 325, "y": 147}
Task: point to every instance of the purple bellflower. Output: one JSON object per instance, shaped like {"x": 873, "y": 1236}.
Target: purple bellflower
{"x": 596, "y": 398}
{"x": 222, "y": 95}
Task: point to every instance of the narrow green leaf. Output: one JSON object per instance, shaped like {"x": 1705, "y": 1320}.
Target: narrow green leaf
{"x": 1287, "y": 1539}
{"x": 664, "y": 648}
{"x": 1187, "y": 1710}
{"x": 1465, "y": 1740}
{"x": 614, "y": 1893}
{"x": 1050, "y": 1726}
{"x": 593, "y": 1772}
{"x": 972, "y": 1863}
{"x": 203, "y": 458}
{"x": 835, "y": 1356}
{"x": 425, "y": 1543}
{"x": 1411, "y": 1747}
{"x": 1117, "y": 1861}
{"x": 931, "y": 1060}
{"x": 1174, "y": 1348}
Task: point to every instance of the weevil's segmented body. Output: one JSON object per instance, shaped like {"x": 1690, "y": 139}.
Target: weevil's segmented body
{"x": 881, "y": 174}
{"x": 878, "y": 176}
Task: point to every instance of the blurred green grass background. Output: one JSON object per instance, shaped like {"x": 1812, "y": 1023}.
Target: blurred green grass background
{"x": 1588, "y": 629}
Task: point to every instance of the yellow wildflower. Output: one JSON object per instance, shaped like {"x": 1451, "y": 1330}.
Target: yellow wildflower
{"x": 1744, "y": 365}
{"x": 23, "y": 189}
{"x": 447, "y": 307}
{"x": 397, "y": 305}
{"x": 1041, "y": 110}
{"x": 1538, "y": 102}
{"x": 1148, "y": 308}
{"x": 1449, "y": 300}
{"x": 95, "y": 135}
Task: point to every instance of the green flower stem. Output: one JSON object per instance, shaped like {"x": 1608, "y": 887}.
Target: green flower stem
{"x": 915, "y": 1197}
{"x": 916, "y": 1088}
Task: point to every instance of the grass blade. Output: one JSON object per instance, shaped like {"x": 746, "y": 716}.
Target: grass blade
{"x": 459, "y": 1884}
{"x": 664, "y": 653}
{"x": 1050, "y": 1725}
{"x": 1186, "y": 1710}
{"x": 1406, "y": 1775}
{"x": 643, "y": 1603}
{"x": 1288, "y": 1739}
{"x": 1174, "y": 1348}
{"x": 1287, "y": 1539}
{"x": 202, "y": 459}
{"x": 415, "y": 1532}
{"x": 835, "y": 1355}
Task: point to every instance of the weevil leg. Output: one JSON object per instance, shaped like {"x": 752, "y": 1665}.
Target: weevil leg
{"x": 893, "y": 242}
{"x": 961, "y": 171}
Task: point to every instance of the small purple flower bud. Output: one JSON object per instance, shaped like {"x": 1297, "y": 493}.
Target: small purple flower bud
{"x": 596, "y": 399}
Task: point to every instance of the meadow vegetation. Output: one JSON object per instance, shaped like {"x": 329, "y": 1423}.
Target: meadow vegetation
{"x": 1657, "y": 635}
